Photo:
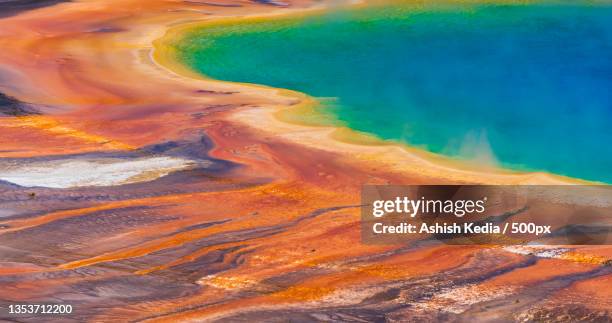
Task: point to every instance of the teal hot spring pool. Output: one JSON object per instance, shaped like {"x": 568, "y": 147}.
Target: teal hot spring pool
{"x": 526, "y": 86}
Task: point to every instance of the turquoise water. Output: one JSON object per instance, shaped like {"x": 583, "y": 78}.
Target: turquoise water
{"x": 527, "y": 86}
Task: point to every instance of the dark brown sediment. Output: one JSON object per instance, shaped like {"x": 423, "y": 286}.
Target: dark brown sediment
{"x": 13, "y": 7}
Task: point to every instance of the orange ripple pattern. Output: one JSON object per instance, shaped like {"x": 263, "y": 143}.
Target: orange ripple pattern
{"x": 275, "y": 238}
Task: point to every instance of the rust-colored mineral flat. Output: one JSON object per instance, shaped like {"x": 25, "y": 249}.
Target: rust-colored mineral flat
{"x": 171, "y": 197}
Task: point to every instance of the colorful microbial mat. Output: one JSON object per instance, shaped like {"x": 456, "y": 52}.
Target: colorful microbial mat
{"x": 305, "y": 161}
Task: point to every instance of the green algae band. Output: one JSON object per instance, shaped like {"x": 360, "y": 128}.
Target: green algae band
{"x": 524, "y": 86}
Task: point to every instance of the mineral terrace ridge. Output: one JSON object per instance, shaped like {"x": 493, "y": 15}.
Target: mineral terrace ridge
{"x": 136, "y": 190}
